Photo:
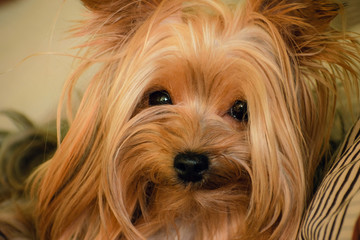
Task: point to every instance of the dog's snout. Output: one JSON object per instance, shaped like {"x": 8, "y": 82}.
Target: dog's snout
{"x": 191, "y": 166}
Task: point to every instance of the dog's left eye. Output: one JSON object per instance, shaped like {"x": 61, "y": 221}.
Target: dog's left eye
{"x": 239, "y": 111}
{"x": 159, "y": 98}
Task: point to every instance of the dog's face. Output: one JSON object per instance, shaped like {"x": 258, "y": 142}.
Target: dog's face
{"x": 198, "y": 125}
{"x": 185, "y": 152}
{"x": 186, "y": 147}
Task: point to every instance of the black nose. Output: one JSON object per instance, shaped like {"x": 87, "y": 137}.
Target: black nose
{"x": 191, "y": 166}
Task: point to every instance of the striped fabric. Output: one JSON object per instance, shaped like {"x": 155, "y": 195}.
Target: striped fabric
{"x": 335, "y": 208}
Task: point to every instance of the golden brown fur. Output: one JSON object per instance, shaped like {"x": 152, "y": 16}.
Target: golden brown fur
{"x": 112, "y": 176}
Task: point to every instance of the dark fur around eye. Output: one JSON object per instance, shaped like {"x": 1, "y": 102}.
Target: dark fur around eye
{"x": 159, "y": 98}
{"x": 239, "y": 111}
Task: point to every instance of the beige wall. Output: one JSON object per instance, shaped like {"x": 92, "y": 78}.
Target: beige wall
{"x": 30, "y": 26}
{"x": 33, "y": 26}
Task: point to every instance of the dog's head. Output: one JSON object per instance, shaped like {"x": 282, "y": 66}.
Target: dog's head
{"x": 205, "y": 120}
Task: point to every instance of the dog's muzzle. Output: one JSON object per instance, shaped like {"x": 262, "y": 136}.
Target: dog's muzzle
{"x": 190, "y": 166}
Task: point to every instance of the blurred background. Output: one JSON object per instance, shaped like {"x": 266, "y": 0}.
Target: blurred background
{"x": 29, "y": 27}
{"x": 33, "y": 86}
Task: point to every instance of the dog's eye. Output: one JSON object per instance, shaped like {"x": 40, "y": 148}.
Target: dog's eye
{"x": 239, "y": 111}
{"x": 159, "y": 98}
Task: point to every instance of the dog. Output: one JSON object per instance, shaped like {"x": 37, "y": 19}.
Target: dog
{"x": 205, "y": 120}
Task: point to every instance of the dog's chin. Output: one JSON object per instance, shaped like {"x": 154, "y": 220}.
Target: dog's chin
{"x": 170, "y": 208}
{"x": 171, "y": 202}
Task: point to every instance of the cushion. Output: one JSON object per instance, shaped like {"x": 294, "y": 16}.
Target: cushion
{"x": 334, "y": 211}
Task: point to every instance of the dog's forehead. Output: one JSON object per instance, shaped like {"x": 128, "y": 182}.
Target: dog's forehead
{"x": 200, "y": 59}
{"x": 203, "y": 61}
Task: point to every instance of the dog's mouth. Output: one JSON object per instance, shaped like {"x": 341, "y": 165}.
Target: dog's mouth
{"x": 214, "y": 191}
{"x": 214, "y": 180}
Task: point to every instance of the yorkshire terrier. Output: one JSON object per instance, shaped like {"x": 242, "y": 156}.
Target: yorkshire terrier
{"x": 205, "y": 119}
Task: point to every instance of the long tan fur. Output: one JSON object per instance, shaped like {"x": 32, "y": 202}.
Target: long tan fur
{"x": 112, "y": 176}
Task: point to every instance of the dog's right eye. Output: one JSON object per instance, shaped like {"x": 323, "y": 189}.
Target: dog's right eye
{"x": 239, "y": 111}
{"x": 159, "y": 98}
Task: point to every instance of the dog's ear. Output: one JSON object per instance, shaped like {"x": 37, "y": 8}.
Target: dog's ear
{"x": 318, "y": 13}
{"x": 136, "y": 8}
{"x": 299, "y": 20}
{"x": 115, "y": 20}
